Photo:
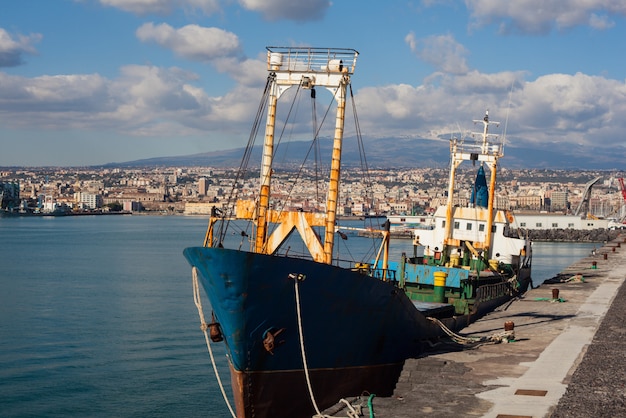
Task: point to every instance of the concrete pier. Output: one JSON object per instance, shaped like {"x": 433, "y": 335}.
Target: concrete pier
{"x": 567, "y": 359}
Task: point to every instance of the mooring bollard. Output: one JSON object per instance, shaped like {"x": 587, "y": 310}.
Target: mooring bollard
{"x": 606, "y": 256}
{"x": 555, "y": 293}
{"x": 594, "y": 265}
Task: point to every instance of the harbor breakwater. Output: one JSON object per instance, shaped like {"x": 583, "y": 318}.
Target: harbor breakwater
{"x": 572, "y": 235}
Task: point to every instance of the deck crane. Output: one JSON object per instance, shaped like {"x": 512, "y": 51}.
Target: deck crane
{"x": 584, "y": 203}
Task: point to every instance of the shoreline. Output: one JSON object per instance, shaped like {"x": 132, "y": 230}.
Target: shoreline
{"x": 546, "y": 235}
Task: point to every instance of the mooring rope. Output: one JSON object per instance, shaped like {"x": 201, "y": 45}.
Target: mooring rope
{"x": 499, "y": 337}
{"x": 352, "y": 412}
{"x": 303, "y": 352}
{"x": 204, "y": 327}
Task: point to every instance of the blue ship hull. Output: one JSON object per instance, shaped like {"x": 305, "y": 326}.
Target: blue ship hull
{"x": 357, "y": 330}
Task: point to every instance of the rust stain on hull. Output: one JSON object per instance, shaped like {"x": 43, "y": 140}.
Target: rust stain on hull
{"x": 284, "y": 394}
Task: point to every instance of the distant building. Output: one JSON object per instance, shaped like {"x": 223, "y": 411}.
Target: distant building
{"x": 358, "y": 209}
{"x": 89, "y": 200}
{"x": 557, "y": 221}
{"x": 203, "y": 186}
{"x": 526, "y": 202}
{"x": 132, "y": 206}
{"x": 9, "y": 195}
{"x": 399, "y": 207}
{"x": 558, "y": 200}
{"x": 199, "y": 208}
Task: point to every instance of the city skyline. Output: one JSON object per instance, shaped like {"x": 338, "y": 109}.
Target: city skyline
{"x": 194, "y": 190}
{"x": 92, "y": 82}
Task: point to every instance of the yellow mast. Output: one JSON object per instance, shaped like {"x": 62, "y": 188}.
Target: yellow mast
{"x": 335, "y": 168}
{"x": 266, "y": 170}
{"x": 454, "y": 163}
{"x": 492, "y": 186}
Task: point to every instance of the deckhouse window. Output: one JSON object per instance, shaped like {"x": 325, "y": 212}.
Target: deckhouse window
{"x": 456, "y": 225}
{"x": 469, "y": 227}
{"x": 481, "y": 227}
{"x": 555, "y": 225}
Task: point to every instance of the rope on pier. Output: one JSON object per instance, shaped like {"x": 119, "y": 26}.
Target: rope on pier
{"x": 497, "y": 338}
{"x": 204, "y": 326}
{"x": 355, "y": 407}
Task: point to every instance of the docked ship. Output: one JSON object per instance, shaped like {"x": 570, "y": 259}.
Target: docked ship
{"x": 476, "y": 253}
{"x": 302, "y": 330}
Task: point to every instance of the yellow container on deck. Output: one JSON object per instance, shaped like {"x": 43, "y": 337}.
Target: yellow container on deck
{"x": 494, "y": 264}
{"x": 454, "y": 260}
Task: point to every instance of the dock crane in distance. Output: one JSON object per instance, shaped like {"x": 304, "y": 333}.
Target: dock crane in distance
{"x": 584, "y": 203}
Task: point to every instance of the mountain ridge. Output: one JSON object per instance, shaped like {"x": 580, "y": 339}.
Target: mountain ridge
{"x": 396, "y": 153}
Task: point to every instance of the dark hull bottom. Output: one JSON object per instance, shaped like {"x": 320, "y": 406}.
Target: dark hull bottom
{"x": 285, "y": 393}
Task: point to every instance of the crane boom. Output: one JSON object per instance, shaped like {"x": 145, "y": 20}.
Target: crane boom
{"x": 586, "y": 196}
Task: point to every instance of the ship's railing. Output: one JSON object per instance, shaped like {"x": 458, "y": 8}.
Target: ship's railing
{"x": 388, "y": 275}
{"x": 493, "y": 291}
{"x": 311, "y": 60}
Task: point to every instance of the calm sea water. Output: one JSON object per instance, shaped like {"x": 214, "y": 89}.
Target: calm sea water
{"x": 97, "y": 316}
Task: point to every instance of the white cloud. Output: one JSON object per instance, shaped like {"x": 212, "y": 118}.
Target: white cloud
{"x": 142, "y": 101}
{"x": 442, "y": 51}
{"x": 59, "y": 95}
{"x": 12, "y": 49}
{"x": 559, "y": 107}
{"x": 288, "y": 9}
{"x": 574, "y": 109}
{"x": 600, "y": 22}
{"x": 540, "y": 16}
{"x": 163, "y": 7}
{"x": 247, "y": 72}
{"x": 569, "y": 109}
{"x": 192, "y": 41}
{"x": 212, "y": 45}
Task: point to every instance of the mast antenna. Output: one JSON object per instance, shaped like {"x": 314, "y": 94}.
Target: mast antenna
{"x": 506, "y": 119}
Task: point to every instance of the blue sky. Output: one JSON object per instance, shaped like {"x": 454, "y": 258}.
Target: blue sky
{"x": 85, "y": 82}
